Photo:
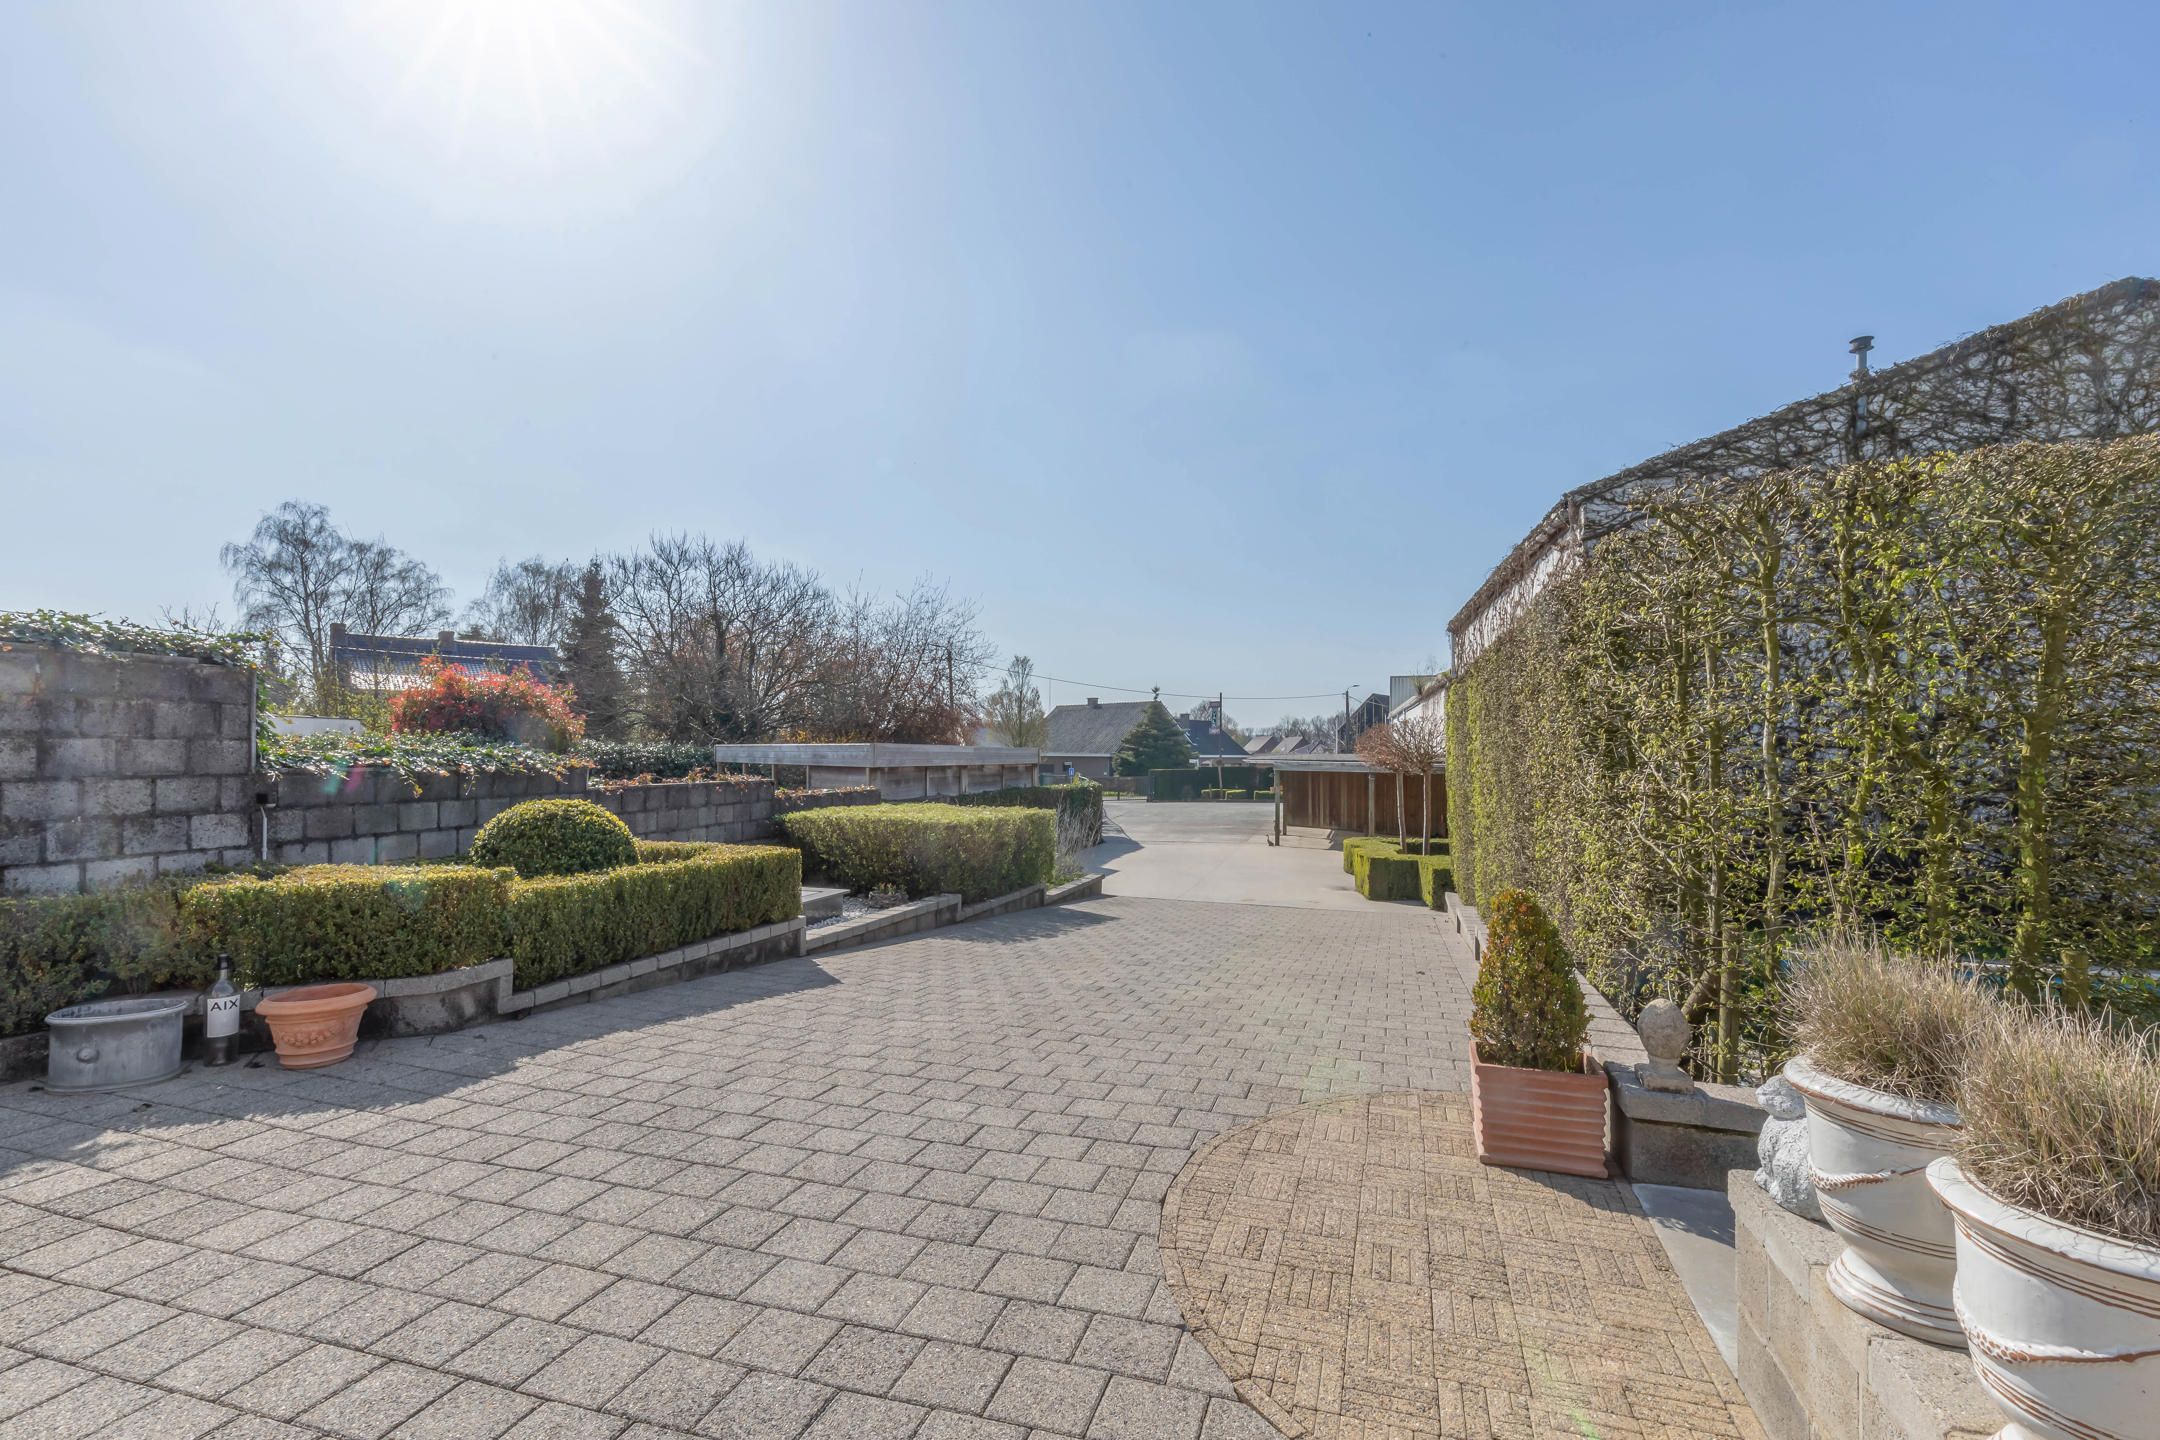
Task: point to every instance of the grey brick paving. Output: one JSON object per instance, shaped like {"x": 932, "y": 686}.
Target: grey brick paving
{"x": 910, "y": 1191}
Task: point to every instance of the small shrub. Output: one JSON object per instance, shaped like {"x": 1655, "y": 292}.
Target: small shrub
{"x": 346, "y": 922}
{"x": 60, "y": 950}
{"x": 1527, "y": 1008}
{"x": 555, "y": 837}
{"x": 1896, "y": 1024}
{"x": 660, "y": 759}
{"x": 927, "y": 849}
{"x": 680, "y": 893}
{"x": 886, "y": 897}
{"x": 1384, "y": 870}
{"x": 516, "y": 706}
{"x": 2061, "y": 1116}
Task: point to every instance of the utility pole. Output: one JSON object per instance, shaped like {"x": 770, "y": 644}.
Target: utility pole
{"x": 952, "y": 693}
{"x": 1218, "y": 740}
{"x": 1346, "y": 718}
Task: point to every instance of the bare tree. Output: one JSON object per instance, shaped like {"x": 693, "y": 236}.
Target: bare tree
{"x": 388, "y": 592}
{"x": 528, "y": 602}
{"x": 1014, "y": 711}
{"x": 1376, "y": 747}
{"x": 290, "y": 577}
{"x": 903, "y": 669}
{"x": 1419, "y": 741}
{"x": 719, "y": 645}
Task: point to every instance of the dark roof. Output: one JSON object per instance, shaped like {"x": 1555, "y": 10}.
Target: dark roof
{"x": 1208, "y": 741}
{"x": 1092, "y": 729}
{"x": 1794, "y": 435}
{"x": 390, "y": 653}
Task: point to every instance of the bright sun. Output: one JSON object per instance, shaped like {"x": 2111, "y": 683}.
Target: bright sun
{"x": 560, "y": 78}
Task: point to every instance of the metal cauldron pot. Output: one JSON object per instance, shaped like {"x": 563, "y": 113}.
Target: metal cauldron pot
{"x": 111, "y": 1044}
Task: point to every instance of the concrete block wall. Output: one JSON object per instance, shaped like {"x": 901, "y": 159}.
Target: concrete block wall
{"x": 121, "y": 768}
{"x": 1814, "y": 1370}
{"x": 373, "y": 816}
{"x": 735, "y": 811}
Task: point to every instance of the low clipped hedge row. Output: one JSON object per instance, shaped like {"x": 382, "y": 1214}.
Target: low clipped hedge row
{"x": 1385, "y": 870}
{"x": 1080, "y": 799}
{"x": 675, "y": 895}
{"x": 927, "y": 849}
{"x": 1193, "y": 784}
{"x": 381, "y": 922}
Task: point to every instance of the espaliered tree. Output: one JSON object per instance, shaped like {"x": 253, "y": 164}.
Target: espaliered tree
{"x": 1158, "y": 742}
{"x": 1917, "y": 696}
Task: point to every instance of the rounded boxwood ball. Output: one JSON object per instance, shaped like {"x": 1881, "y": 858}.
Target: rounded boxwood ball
{"x": 555, "y": 837}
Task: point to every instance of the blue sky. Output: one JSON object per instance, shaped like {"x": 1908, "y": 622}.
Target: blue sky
{"x": 1205, "y": 345}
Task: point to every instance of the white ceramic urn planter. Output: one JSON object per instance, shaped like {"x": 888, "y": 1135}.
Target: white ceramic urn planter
{"x": 2064, "y": 1325}
{"x": 1868, "y": 1153}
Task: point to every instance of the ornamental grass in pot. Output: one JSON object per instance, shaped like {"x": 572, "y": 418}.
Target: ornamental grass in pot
{"x": 1536, "y": 1102}
{"x": 1882, "y": 1040}
{"x": 2055, "y": 1186}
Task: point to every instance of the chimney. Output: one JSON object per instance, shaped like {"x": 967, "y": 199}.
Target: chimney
{"x": 337, "y": 631}
{"x": 1094, "y": 702}
{"x": 444, "y": 637}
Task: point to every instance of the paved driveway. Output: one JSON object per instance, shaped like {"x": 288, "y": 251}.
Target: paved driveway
{"x": 912, "y": 1190}
{"x": 1197, "y": 850}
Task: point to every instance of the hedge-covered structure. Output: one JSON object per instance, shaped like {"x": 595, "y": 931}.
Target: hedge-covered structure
{"x": 1921, "y": 695}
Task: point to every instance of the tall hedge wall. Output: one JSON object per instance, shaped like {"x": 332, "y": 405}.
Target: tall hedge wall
{"x": 1922, "y": 696}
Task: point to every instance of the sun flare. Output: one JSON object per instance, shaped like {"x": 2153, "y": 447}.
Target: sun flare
{"x": 555, "y": 77}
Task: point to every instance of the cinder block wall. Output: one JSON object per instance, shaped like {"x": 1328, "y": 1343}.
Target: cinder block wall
{"x": 123, "y": 768}
{"x": 116, "y": 769}
{"x": 372, "y": 816}
{"x": 1814, "y": 1370}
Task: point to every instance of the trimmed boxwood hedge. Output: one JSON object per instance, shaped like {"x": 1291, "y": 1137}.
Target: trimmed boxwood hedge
{"x": 1383, "y": 870}
{"x": 380, "y": 922}
{"x": 678, "y": 894}
{"x": 561, "y": 836}
{"x": 64, "y": 949}
{"x": 1082, "y": 798}
{"x": 347, "y": 922}
{"x": 927, "y": 849}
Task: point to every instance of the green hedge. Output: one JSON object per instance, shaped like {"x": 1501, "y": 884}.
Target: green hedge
{"x": 1383, "y": 870}
{"x": 64, "y": 949}
{"x": 628, "y": 759}
{"x": 678, "y": 894}
{"x": 1194, "y": 783}
{"x": 1082, "y": 798}
{"x": 347, "y": 922}
{"x": 366, "y": 922}
{"x": 927, "y": 849}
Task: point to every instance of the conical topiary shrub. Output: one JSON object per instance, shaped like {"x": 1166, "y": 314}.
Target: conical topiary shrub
{"x": 1534, "y": 1103}
{"x": 1527, "y": 1008}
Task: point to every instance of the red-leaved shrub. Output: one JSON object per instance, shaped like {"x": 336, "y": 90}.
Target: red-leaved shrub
{"x": 504, "y": 707}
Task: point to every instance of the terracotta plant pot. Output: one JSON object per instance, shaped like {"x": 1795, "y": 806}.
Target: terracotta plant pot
{"x": 2063, "y": 1324}
{"x": 1868, "y": 1154}
{"x": 315, "y": 1025}
{"x": 1539, "y": 1119}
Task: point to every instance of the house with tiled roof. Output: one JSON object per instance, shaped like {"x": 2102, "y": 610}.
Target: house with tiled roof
{"x": 393, "y": 662}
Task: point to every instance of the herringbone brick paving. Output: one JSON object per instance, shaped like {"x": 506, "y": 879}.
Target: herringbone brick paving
{"x": 910, "y": 1191}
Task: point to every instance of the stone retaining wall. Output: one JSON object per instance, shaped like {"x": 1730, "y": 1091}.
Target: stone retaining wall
{"x": 1814, "y": 1370}
{"x": 121, "y": 768}
{"x": 373, "y": 816}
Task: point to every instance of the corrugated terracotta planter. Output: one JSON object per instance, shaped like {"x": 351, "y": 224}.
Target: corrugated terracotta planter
{"x": 315, "y": 1025}
{"x": 1539, "y": 1119}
